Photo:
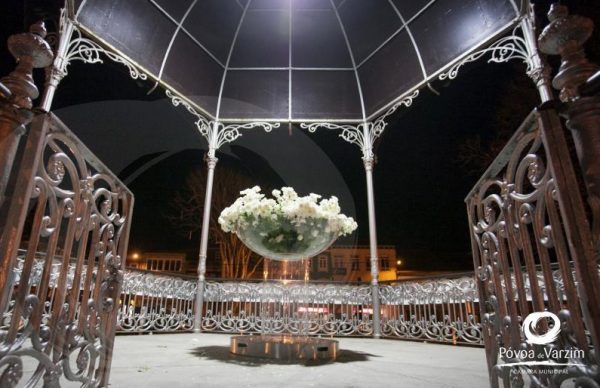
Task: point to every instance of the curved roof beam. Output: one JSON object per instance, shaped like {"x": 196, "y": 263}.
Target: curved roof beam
{"x": 179, "y": 26}
{"x": 237, "y": 31}
{"x": 410, "y": 35}
{"x": 360, "y": 94}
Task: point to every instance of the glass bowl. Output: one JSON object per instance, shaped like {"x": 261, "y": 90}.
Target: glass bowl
{"x": 285, "y": 241}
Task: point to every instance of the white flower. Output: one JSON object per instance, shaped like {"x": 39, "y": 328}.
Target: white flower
{"x": 306, "y": 212}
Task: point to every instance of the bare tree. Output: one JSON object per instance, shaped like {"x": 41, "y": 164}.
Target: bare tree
{"x": 185, "y": 213}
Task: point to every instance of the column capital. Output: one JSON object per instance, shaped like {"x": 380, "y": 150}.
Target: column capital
{"x": 374, "y": 271}
{"x": 210, "y": 159}
{"x": 201, "y": 267}
{"x": 369, "y": 162}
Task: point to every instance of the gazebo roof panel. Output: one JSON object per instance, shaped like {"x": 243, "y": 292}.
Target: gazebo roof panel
{"x": 359, "y": 56}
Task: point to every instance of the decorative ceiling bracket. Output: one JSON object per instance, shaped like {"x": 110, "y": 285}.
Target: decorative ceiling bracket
{"x": 363, "y": 134}
{"x": 513, "y": 46}
{"x": 215, "y": 132}
{"x": 80, "y": 48}
{"x": 70, "y": 45}
{"x": 503, "y": 50}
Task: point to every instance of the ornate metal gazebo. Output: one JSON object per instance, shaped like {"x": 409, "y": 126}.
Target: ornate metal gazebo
{"x": 344, "y": 65}
{"x": 341, "y": 65}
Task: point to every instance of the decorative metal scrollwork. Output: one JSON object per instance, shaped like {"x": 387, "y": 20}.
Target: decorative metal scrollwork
{"x": 65, "y": 283}
{"x": 524, "y": 265}
{"x": 156, "y": 303}
{"x": 363, "y": 134}
{"x": 510, "y": 47}
{"x": 86, "y": 50}
{"x": 215, "y": 132}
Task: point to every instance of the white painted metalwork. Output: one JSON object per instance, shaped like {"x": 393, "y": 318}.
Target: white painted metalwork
{"x": 410, "y": 35}
{"x": 353, "y": 61}
{"x": 156, "y": 303}
{"x": 439, "y": 310}
{"x": 364, "y": 135}
{"x": 179, "y": 27}
{"x": 521, "y": 45}
{"x": 233, "y": 41}
{"x": 73, "y": 46}
{"x": 216, "y": 134}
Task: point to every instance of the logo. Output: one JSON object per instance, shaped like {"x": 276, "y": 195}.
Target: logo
{"x": 531, "y": 323}
{"x": 548, "y": 356}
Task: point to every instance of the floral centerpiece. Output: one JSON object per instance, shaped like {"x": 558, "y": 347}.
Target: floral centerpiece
{"x": 286, "y": 227}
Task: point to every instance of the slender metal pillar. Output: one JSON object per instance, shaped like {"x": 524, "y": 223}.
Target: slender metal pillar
{"x": 368, "y": 160}
{"x": 56, "y": 72}
{"x": 540, "y": 71}
{"x": 211, "y": 161}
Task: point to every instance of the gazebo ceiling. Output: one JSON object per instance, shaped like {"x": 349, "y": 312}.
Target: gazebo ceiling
{"x": 299, "y": 60}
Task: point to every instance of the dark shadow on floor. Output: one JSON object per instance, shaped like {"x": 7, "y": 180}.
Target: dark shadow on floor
{"x": 221, "y": 353}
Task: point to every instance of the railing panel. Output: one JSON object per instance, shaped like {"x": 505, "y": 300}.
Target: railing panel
{"x": 155, "y": 303}
{"x": 70, "y": 216}
{"x": 524, "y": 263}
{"x": 291, "y": 308}
{"x": 444, "y": 310}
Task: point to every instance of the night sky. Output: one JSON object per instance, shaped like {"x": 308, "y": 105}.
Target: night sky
{"x": 420, "y": 183}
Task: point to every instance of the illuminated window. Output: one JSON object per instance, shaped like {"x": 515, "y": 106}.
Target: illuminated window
{"x": 323, "y": 263}
{"x": 339, "y": 262}
{"x": 355, "y": 263}
{"x": 385, "y": 264}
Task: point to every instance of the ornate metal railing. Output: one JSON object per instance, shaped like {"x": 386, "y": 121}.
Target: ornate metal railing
{"x": 294, "y": 308}
{"x": 70, "y": 216}
{"x": 442, "y": 310}
{"x": 434, "y": 310}
{"x": 155, "y": 303}
{"x": 526, "y": 260}
{"x": 437, "y": 310}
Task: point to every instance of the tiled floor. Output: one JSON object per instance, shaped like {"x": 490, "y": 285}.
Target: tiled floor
{"x": 203, "y": 360}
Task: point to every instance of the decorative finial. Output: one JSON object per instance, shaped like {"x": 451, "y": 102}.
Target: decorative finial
{"x": 31, "y": 51}
{"x": 565, "y": 36}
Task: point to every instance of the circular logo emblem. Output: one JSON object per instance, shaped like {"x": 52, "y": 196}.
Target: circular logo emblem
{"x": 531, "y": 322}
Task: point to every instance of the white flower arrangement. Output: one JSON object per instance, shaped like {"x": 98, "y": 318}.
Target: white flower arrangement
{"x": 288, "y": 222}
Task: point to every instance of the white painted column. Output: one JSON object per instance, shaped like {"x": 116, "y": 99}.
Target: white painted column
{"x": 56, "y": 72}
{"x": 540, "y": 71}
{"x": 211, "y": 161}
{"x": 369, "y": 161}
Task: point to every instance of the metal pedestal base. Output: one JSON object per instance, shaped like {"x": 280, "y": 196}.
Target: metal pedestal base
{"x": 284, "y": 347}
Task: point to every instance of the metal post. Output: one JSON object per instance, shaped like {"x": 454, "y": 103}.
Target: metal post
{"x": 368, "y": 159}
{"x": 16, "y": 93}
{"x": 211, "y": 161}
{"x": 566, "y": 35}
{"x": 540, "y": 71}
{"x": 56, "y": 72}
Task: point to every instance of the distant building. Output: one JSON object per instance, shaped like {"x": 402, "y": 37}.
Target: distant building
{"x": 353, "y": 264}
{"x": 343, "y": 263}
{"x": 339, "y": 263}
{"x": 157, "y": 261}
